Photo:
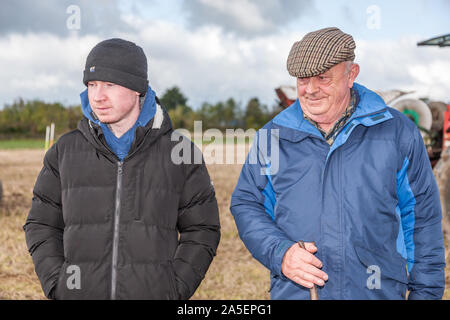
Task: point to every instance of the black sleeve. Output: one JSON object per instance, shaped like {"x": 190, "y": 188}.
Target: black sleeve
{"x": 199, "y": 227}
{"x": 44, "y": 226}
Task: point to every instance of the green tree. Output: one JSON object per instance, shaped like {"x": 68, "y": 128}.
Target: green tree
{"x": 182, "y": 117}
{"x": 172, "y": 98}
{"x": 74, "y": 115}
{"x": 204, "y": 114}
{"x": 256, "y": 114}
{"x": 222, "y": 115}
{"x": 180, "y": 113}
{"x": 30, "y": 119}
{"x": 231, "y": 114}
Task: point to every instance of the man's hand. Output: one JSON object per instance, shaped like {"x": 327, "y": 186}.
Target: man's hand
{"x": 302, "y": 267}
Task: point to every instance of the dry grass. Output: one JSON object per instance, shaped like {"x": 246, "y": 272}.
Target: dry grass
{"x": 234, "y": 274}
{"x": 18, "y": 172}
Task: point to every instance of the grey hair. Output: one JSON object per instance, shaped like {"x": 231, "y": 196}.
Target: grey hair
{"x": 348, "y": 66}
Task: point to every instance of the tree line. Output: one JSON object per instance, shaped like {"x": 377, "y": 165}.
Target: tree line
{"x": 29, "y": 119}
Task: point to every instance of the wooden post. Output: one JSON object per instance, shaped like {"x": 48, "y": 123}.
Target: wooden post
{"x": 47, "y": 137}
{"x": 52, "y": 134}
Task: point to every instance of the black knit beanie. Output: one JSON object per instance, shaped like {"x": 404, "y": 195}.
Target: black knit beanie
{"x": 117, "y": 61}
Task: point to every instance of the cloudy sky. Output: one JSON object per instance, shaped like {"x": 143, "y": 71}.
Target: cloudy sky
{"x": 216, "y": 49}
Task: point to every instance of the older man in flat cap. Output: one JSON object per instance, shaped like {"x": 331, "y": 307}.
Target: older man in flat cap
{"x": 350, "y": 206}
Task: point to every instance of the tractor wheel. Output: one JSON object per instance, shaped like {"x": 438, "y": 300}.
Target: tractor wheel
{"x": 438, "y": 110}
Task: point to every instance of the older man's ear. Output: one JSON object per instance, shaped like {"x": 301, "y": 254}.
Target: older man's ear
{"x": 354, "y": 71}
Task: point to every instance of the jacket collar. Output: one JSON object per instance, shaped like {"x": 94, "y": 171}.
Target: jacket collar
{"x": 146, "y": 114}
{"x": 370, "y": 110}
{"x": 157, "y": 124}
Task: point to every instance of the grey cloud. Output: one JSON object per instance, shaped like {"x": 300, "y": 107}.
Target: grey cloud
{"x": 96, "y": 17}
{"x": 274, "y": 14}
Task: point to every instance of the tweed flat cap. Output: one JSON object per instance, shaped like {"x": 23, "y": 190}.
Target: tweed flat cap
{"x": 318, "y": 51}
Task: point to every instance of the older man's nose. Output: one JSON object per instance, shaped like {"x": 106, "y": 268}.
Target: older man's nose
{"x": 312, "y": 85}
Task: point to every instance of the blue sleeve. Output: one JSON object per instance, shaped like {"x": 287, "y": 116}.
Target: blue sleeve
{"x": 421, "y": 217}
{"x": 252, "y": 205}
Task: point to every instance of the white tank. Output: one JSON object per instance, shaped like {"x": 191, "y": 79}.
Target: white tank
{"x": 416, "y": 110}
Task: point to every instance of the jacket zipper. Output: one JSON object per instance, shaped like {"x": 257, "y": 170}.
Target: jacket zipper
{"x": 116, "y": 231}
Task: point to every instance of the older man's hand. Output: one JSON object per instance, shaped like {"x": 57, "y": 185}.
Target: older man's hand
{"x": 302, "y": 267}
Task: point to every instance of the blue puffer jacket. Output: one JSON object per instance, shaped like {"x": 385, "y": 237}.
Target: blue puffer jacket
{"x": 370, "y": 202}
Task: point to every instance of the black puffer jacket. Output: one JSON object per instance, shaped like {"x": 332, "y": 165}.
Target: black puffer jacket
{"x": 144, "y": 228}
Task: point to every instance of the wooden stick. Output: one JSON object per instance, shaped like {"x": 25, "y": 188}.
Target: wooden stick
{"x": 312, "y": 291}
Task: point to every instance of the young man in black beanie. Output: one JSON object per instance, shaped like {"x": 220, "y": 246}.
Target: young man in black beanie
{"x": 112, "y": 216}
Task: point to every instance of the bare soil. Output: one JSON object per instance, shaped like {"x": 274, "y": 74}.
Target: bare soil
{"x": 233, "y": 274}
